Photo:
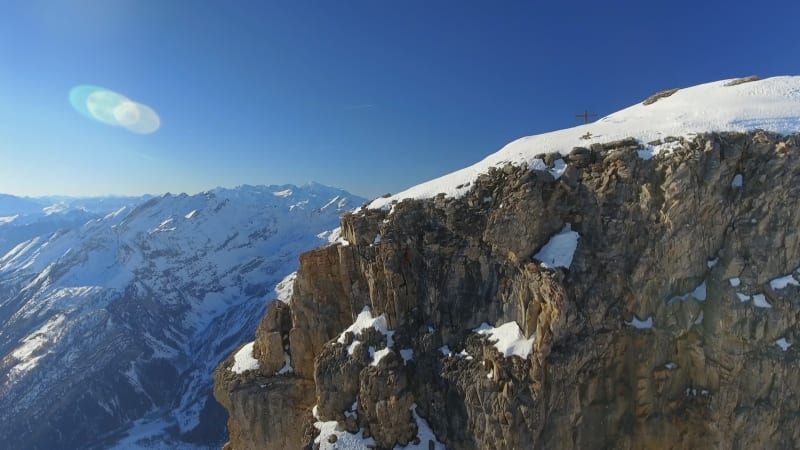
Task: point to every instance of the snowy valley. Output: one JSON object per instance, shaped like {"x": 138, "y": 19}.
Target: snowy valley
{"x": 114, "y": 312}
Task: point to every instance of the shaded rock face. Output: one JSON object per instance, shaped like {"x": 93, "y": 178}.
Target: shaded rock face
{"x": 672, "y": 327}
{"x": 265, "y": 413}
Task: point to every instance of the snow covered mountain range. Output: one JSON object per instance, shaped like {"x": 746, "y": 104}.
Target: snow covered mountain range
{"x": 25, "y": 218}
{"x": 114, "y": 312}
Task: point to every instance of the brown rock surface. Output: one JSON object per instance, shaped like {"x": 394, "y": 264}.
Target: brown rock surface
{"x": 660, "y": 241}
{"x": 272, "y": 337}
{"x": 264, "y": 413}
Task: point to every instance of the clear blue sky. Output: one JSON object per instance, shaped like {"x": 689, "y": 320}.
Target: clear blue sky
{"x": 371, "y": 96}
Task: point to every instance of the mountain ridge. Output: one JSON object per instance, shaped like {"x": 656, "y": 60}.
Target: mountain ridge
{"x": 736, "y": 104}
{"x": 624, "y": 294}
{"x": 171, "y": 282}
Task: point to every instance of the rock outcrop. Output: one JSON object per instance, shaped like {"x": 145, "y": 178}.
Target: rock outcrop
{"x": 671, "y": 326}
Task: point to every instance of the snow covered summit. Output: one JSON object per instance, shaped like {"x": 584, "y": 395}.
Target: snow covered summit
{"x": 771, "y": 104}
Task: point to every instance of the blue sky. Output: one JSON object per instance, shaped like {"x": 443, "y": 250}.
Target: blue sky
{"x": 371, "y": 96}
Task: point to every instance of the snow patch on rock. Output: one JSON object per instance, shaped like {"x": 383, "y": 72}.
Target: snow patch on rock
{"x": 347, "y": 441}
{"x": 559, "y": 250}
{"x": 760, "y": 301}
{"x": 641, "y": 324}
{"x": 782, "y": 282}
{"x": 698, "y": 293}
{"x": 285, "y": 288}
{"x": 363, "y": 321}
{"x": 378, "y": 355}
{"x": 507, "y": 339}
{"x": 243, "y": 360}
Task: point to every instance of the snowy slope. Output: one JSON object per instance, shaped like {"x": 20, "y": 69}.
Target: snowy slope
{"x": 772, "y": 104}
{"x": 22, "y": 219}
{"x": 122, "y": 319}
{"x": 12, "y": 205}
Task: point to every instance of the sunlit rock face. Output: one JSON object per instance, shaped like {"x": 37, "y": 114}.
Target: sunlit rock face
{"x": 667, "y": 320}
{"x": 110, "y": 327}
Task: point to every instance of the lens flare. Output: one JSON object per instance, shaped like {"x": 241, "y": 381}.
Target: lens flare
{"x": 101, "y": 105}
{"x": 127, "y": 113}
{"x": 112, "y": 108}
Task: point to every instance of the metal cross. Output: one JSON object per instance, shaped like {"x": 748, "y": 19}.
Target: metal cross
{"x": 585, "y": 116}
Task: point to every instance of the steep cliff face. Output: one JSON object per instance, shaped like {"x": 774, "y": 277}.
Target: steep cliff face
{"x": 671, "y": 327}
{"x": 638, "y": 293}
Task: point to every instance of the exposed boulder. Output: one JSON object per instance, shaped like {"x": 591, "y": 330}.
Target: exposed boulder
{"x": 743, "y": 80}
{"x": 659, "y": 95}
{"x": 264, "y": 413}
{"x": 272, "y": 338}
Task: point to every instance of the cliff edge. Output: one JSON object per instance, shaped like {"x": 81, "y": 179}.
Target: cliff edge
{"x": 625, "y": 294}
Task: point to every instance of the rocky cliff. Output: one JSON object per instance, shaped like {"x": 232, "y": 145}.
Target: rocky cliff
{"x": 669, "y": 328}
{"x": 596, "y": 300}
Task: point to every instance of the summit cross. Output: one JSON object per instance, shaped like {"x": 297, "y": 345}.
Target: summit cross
{"x": 585, "y": 116}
